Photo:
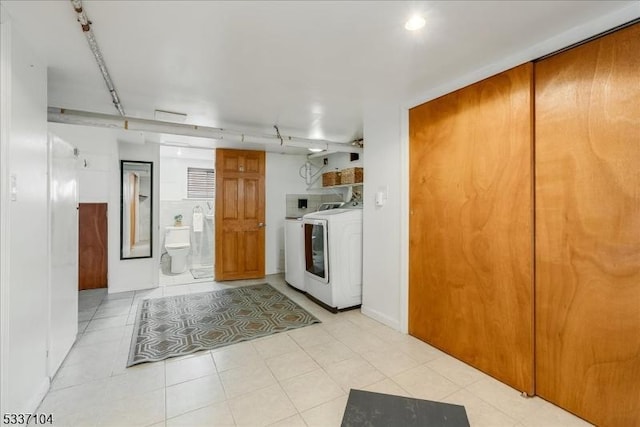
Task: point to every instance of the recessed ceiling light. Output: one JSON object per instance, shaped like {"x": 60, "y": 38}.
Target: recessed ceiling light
{"x": 415, "y": 23}
{"x": 316, "y": 150}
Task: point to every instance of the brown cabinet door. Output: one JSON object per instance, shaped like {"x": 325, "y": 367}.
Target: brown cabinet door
{"x": 92, "y": 246}
{"x": 470, "y": 244}
{"x": 588, "y": 229}
{"x": 240, "y": 214}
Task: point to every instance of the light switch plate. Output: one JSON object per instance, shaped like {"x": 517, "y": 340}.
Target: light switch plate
{"x": 13, "y": 187}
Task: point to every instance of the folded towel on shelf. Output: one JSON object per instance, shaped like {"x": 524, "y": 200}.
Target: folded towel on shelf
{"x": 197, "y": 222}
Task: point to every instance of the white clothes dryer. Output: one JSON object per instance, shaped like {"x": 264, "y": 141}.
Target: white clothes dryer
{"x": 294, "y": 253}
{"x": 333, "y": 257}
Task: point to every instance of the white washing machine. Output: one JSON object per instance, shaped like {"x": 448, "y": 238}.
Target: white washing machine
{"x": 294, "y": 248}
{"x": 333, "y": 257}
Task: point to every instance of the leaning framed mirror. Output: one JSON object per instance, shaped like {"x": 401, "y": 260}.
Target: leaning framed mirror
{"x": 136, "y": 207}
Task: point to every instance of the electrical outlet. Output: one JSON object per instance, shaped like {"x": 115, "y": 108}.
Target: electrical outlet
{"x": 326, "y": 161}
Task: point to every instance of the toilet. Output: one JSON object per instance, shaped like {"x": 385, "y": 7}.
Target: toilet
{"x": 177, "y": 243}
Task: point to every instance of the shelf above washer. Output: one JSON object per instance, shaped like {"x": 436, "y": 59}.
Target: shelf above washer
{"x": 333, "y": 187}
{"x": 357, "y": 184}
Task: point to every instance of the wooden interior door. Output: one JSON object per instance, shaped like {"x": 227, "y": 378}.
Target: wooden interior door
{"x": 240, "y": 214}
{"x": 92, "y": 246}
{"x": 588, "y": 229}
{"x": 470, "y": 241}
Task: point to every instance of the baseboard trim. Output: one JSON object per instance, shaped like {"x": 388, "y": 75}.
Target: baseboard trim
{"x": 54, "y": 365}
{"x": 41, "y": 391}
{"x": 116, "y": 289}
{"x": 382, "y": 318}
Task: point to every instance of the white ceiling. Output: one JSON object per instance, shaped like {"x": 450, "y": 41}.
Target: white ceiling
{"x": 310, "y": 67}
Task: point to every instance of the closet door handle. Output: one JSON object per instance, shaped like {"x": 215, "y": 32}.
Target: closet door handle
{"x": 262, "y": 224}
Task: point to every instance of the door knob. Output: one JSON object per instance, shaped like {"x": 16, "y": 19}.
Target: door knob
{"x": 262, "y": 224}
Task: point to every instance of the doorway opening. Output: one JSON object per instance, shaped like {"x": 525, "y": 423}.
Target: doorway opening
{"x": 187, "y": 209}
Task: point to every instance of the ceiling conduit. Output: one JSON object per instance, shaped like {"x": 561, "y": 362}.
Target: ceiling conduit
{"x": 95, "y": 49}
{"x": 62, "y": 115}
{"x": 75, "y": 117}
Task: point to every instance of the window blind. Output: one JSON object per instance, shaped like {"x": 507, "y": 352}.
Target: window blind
{"x": 201, "y": 183}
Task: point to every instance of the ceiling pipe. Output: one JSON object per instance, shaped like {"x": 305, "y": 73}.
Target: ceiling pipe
{"x": 85, "y": 118}
{"x": 85, "y": 23}
{"x": 59, "y": 115}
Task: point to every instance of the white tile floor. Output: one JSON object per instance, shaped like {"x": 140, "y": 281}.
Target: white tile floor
{"x": 297, "y": 378}
{"x": 179, "y": 279}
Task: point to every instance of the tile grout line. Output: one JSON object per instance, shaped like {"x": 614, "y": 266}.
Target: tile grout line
{"x": 351, "y": 320}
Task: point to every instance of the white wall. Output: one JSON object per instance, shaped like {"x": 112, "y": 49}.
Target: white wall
{"x": 343, "y": 160}
{"x": 24, "y": 250}
{"x": 335, "y": 161}
{"x": 173, "y": 169}
{"x": 63, "y": 250}
{"x": 174, "y": 163}
{"x": 98, "y": 151}
{"x": 281, "y": 177}
{"x": 99, "y": 182}
{"x": 102, "y": 151}
{"x": 381, "y": 276}
{"x": 142, "y": 273}
{"x": 386, "y": 233}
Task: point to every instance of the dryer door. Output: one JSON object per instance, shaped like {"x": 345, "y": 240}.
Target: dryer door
{"x": 316, "y": 249}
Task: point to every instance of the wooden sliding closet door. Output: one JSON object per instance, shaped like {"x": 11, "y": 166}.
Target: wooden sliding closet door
{"x": 470, "y": 253}
{"x": 588, "y": 229}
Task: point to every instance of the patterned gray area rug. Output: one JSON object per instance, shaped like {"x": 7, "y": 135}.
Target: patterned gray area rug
{"x": 183, "y": 324}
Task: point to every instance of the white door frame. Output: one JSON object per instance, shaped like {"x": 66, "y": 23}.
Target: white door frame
{"x": 5, "y": 199}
